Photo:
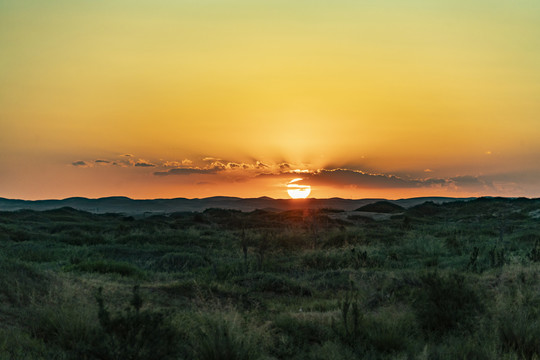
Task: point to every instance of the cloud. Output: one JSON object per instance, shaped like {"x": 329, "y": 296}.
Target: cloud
{"x": 356, "y": 178}
{"x": 211, "y": 158}
{"x": 127, "y": 155}
{"x": 284, "y": 166}
{"x": 218, "y": 165}
{"x": 185, "y": 171}
{"x": 233, "y": 165}
{"x": 261, "y": 165}
{"x": 144, "y": 163}
{"x": 174, "y": 163}
{"x": 80, "y": 163}
{"x": 100, "y": 161}
{"x": 472, "y": 182}
{"x": 346, "y": 177}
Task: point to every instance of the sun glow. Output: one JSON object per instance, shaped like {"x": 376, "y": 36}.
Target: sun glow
{"x": 297, "y": 191}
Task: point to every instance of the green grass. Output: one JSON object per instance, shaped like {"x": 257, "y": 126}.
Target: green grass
{"x": 438, "y": 282}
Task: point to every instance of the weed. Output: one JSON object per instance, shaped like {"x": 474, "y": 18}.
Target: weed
{"x": 134, "y": 334}
{"x": 349, "y": 326}
{"x": 534, "y": 255}
{"x": 221, "y": 338}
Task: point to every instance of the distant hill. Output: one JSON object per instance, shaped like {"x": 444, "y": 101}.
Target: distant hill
{"x": 125, "y": 205}
{"x": 382, "y": 207}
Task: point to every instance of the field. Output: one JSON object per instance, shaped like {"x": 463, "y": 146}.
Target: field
{"x": 460, "y": 280}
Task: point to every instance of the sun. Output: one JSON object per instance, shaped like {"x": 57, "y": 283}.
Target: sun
{"x": 297, "y": 191}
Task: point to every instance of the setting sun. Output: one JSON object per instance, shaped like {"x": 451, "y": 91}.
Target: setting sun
{"x": 298, "y": 191}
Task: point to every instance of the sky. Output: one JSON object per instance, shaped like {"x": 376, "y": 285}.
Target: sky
{"x": 198, "y": 98}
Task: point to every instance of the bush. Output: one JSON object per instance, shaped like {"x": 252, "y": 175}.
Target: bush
{"x": 268, "y": 282}
{"x": 389, "y": 334}
{"x": 20, "y": 283}
{"x": 219, "y": 338}
{"x": 296, "y": 333}
{"x": 519, "y": 331}
{"x": 16, "y": 344}
{"x": 354, "y": 258}
{"x": 177, "y": 262}
{"x": 331, "y": 350}
{"x": 66, "y": 327}
{"x": 134, "y": 334}
{"x": 446, "y": 303}
{"x": 107, "y": 267}
{"x": 451, "y": 348}
{"x": 534, "y": 254}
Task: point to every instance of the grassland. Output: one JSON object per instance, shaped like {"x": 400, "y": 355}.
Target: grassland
{"x": 454, "y": 281}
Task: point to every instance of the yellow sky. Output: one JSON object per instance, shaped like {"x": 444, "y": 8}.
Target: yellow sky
{"x": 372, "y": 98}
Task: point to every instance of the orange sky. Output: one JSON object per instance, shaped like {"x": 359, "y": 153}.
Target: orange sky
{"x": 201, "y": 98}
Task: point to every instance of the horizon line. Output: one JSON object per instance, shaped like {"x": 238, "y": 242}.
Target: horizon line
{"x": 263, "y": 197}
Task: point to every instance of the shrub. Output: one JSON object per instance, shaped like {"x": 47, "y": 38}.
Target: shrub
{"x": 30, "y": 251}
{"x": 20, "y": 283}
{"x": 446, "y": 303}
{"x": 331, "y": 350}
{"x": 519, "y": 331}
{"x": 389, "y": 334}
{"x": 16, "y": 344}
{"x": 473, "y": 258}
{"x": 176, "y": 262}
{"x": 496, "y": 257}
{"x": 534, "y": 255}
{"x": 349, "y": 326}
{"x": 219, "y": 338}
{"x": 268, "y": 282}
{"x": 65, "y": 326}
{"x": 107, "y": 267}
{"x": 134, "y": 334}
{"x": 451, "y": 348}
{"x": 298, "y": 332}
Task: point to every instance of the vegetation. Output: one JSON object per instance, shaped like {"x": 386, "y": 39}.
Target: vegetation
{"x": 454, "y": 281}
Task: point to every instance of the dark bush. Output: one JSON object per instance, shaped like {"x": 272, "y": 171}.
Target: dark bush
{"x": 446, "y": 303}
{"x": 534, "y": 254}
{"x": 519, "y": 331}
{"x": 299, "y": 333}
{"x": 134, "y": 334}
{"x": 217, "y": 338}
{"x": 268, "y": 282}
{"x": 175, "y": 262}
{"x": 107, "y": 267}
{"x": 20, "y": 282}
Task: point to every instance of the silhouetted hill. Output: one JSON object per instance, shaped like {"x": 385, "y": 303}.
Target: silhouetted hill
{"x": 429, "y": 208}
{"x": 382, "y": 207}
{"x": 125, "y": 205}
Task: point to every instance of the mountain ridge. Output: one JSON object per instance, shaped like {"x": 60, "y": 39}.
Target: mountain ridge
{"x": 126, "y": 205}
